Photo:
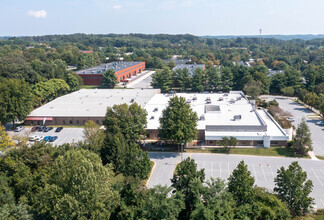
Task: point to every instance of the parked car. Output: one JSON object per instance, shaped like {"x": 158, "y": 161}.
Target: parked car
{"x": 320, "y": 123}
{"x": 53, "y": 138}
{"x": 20, "y": 128}
{"x": 39, "y": 138}
{"x": 291, "y": 119}
{"x": 59, "y": 129}
{"x": 48, "y": 129}
{"x": 34, "y": 129}
{"x": 42, "y": 128}
{"x": 47, "y": 138}
{"x": 33, "y": 138}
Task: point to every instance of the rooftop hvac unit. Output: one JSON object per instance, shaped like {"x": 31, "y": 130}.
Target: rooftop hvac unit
{"x": 132, "y": 100}
{"x": 232, "y": 101}
{"x": 194, "y": 98}
{"x": 208, "y": 100}
{"x": 221, "y": 99}
{"x": 202, "y": 117}
{"x": 238, "y": 98}
{"x": 237, "y": 117}
{"x": 188, "y": 101}
{"x": 226, "y": 94}
{"x": 152, "y": 117}
{"x": 155, "y": 109}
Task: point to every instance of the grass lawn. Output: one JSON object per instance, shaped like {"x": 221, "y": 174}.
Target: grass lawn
{"x": 89, "y": 87}
{"x": 272, "y": 151}
{"x": 320, "y": 157}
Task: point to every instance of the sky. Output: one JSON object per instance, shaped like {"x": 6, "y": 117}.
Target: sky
{"x": 197, "y": 17}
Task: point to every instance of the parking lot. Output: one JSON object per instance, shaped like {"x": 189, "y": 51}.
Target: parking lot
{"x": 67, "y": 135}
{"x": 264, "y": 169}
{"x": 298, "y": 112}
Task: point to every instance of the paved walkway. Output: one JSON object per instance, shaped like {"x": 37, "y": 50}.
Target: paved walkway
{"x": 139, "y": 79}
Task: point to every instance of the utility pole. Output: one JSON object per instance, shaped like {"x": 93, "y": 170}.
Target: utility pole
{"x": 260, "y": 36}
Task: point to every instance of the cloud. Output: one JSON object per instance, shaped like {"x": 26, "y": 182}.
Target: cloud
{"x": 117, "y": 7}
{"x": 37, "y": 14}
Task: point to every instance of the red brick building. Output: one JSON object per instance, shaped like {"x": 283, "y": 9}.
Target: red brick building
{"x": 123, "y": 71}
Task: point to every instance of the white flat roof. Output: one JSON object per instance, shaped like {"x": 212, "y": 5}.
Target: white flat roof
{"x": 92, "y": 102}
{"x": 225, "y": 117}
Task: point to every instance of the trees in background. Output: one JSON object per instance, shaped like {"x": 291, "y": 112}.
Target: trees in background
{"x": 162, "y": 79}
{"x": 288, "y": 91}
{"x": 109, "y": 79}
{"x": 302, "y": 142}
{"x": 5, "y": 140}
{"x": 253, "y": 88}
{"x": 16, "y": 100}
{"x": 178, "y": 122}
{"x": 293, "y": 188}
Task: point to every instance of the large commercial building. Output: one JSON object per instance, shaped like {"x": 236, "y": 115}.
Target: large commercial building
{"x": 123, "y": 71}
{"x": 220, "y": 115}
{"x": 223, "y": 115}
{"x": 86, "y": 104}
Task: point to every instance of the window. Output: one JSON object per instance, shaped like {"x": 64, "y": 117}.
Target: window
{"x": 77, "y": 122}
{"x": 64, "y": 122}
{"x": 71, "y": 122}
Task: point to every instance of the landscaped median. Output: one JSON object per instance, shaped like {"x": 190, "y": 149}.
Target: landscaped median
{"x": 272, "y": 151}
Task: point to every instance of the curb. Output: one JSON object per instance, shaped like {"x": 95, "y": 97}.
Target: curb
{"x": 151, "y": 173}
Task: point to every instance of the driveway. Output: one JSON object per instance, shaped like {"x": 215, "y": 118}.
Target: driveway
{"x": 298, "y": 112}
{"x": 264, "y": 169}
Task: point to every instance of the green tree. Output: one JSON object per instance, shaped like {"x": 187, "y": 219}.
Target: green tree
{"x": 188, "y": 181}
{"x": 171, "y": 64}
{"x": 253, "y": 88}
{"x": 109, "y": 79}
{"x": 227, "y": 79}
{"x": 183, "y": 79}
{"x": 93, "y": 136}
{"x": 79, "y": 187}
{"x": 5, "y": 140}
{"x": 178, "y": 122}
{"x": 213, "y": 78}
{"x": 288, "y": 91}
{"x": 16, "y": 100}
{"x": 311, "y": 99}
{"x": 159, "y": 205}
{"x": 241, "y": 184}
{"x": 162, "y": 79}
{"x": 293, "y": 188}
{"x": 198, "y": 80}
{"x": 73, "y": 82}
{"x": 302, "y": 142}
{"x": 129, "y": 120}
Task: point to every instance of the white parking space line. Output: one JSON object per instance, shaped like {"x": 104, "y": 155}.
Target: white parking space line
{"x": 263, "y": 172}
{"x": 271, "y": 172}
{"x": 255, "y": 176}
{"x": 220, "y": 170}
{"x": 317, "y": 177}
{"x": 203, "y": 165}
{"x": 228, "y": 169}
{"x": 211, "y": 170}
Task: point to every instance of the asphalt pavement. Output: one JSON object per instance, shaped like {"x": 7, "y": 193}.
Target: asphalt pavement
{"x": 298, "y": 111}
{"x": 264, "y": 169}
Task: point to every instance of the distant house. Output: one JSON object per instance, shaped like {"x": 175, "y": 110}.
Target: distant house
{"x": 190, "y": 67}
{"x": 86, "y": 51}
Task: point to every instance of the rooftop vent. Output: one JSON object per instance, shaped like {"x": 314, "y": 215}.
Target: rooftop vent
{"x": 152, "y": 117}
{"x": 237, "y": 117}
{"x": 212, "y": 108}
{"x": 202, "y": 117}
{"x": 226, "y": 94}
{"x": 155, "y": 110}
{"x": 232, "y": 101}
{"x": 188, "y": 101}
{"x": 208, "y": 100}
{"x": 194, "y": 98}
{"x": 132, "y": 100}
{"x": 221, "y": 99}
